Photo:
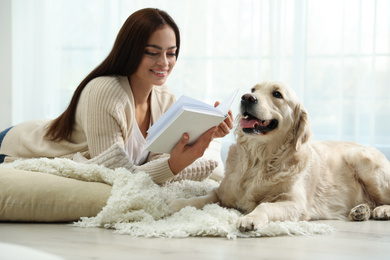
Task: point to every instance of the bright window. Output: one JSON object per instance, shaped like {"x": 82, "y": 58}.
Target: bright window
{"x": 334, "y": 53}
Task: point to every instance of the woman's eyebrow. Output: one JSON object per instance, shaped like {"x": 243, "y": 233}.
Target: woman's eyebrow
{"x": 160, "y": 48}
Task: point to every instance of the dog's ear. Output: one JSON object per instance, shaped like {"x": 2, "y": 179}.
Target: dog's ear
{"x": 302, "y": 130}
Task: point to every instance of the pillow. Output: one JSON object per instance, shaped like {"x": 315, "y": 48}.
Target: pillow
{"x": 42, "y": 197}
{"x": 197, "y": 171}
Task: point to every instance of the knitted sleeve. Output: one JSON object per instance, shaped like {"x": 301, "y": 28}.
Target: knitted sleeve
{"x": 116, "y": 157}
{"x": 103, "y": 114}
{"x": 106, "y": 115}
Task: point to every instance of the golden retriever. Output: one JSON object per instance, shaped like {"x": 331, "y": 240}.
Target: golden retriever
{"x": 274, "y": 172}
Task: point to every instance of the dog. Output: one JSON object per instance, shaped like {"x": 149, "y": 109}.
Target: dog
{"x": 275, "y": 172}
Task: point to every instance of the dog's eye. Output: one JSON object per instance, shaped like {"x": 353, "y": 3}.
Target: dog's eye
{"x": 277, "y": 94}
{"x": 253, "y": 90}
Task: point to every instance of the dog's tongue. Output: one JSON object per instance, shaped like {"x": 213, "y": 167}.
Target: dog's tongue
{"x": 252, "y": 123}
{"x": 244, "y": 123}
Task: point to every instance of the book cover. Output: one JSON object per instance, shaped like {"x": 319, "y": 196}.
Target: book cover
{"x": 186, "y": 115}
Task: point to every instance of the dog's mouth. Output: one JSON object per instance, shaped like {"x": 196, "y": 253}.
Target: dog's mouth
{"x": 251, "y": 124}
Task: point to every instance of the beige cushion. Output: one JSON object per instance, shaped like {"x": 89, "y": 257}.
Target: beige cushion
{"x": 42, "y": 197}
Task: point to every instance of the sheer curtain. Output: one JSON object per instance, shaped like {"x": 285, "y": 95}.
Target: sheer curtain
{"x": 334, "y": 53}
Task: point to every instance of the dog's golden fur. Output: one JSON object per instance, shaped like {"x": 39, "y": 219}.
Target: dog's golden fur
{"x": 282, "y": 175}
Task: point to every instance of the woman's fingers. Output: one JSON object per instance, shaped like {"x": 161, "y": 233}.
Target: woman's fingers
{"x": 183, "y": 141}
{"x": 204, "y": 141}
{"x": 183, "y": 154}
{"x": 225, "y": 127}
{"x": 230, "y": 120}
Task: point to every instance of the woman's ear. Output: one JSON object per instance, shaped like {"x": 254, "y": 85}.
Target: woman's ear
{"x": 302, "y": 130}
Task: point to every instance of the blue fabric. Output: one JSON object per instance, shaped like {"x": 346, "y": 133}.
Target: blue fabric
{"x": 2, "y": 134}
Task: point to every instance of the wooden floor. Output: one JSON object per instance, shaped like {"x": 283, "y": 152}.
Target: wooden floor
{"x": 352, "y": 240}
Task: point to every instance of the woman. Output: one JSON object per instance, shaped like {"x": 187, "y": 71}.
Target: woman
{"x": 117, "y": 103}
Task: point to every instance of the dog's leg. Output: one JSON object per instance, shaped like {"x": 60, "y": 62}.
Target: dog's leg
{"x": 382, "y": 212}
{"x": 371, "y": 169}
{"x": 267, "y": 212}
{"x": 197, "y": 202}
{"x": 361, "y": 212}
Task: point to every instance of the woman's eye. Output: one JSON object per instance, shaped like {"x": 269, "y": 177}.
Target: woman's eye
{"x": 150, "y": 53}
{"x": 173, "y": 54}
{"x": 277, "y": 94}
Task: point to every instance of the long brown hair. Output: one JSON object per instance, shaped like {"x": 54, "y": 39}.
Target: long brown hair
{"x": 123, "y": 60}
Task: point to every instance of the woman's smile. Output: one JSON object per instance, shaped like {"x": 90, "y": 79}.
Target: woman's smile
{"x": 158, "y": 59}
{"x": 159, "y": 73}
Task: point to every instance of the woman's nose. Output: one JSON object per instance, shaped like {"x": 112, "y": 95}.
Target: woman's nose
{"x": 163, "y": 60}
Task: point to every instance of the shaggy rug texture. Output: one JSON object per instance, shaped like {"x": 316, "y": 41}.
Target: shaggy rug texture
{"x": 138, "y": 207}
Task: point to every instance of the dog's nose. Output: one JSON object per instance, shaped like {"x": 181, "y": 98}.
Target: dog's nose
{"x": 248, "y": 99}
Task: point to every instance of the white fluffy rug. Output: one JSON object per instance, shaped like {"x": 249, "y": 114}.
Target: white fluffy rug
{"x": 138, "y": 207}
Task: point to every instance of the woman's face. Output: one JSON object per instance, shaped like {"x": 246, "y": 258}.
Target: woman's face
{"x": 158, "y": 59}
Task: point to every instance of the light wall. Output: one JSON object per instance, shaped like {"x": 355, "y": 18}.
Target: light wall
{"x": 5, "y": 64}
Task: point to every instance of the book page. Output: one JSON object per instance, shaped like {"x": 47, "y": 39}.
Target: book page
{"x": 227, "y": 103}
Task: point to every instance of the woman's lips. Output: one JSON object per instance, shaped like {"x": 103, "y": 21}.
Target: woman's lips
{"x": 159, "y": 73}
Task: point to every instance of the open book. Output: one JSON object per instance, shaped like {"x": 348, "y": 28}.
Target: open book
{"x": 186, "y": 115}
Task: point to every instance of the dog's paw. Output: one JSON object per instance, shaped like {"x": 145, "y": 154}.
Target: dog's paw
{"x": 381, "y": 213}
{"x": 250, "y": 223}
{"x": 176, "y": 205}
{"x": 360, "y": 213}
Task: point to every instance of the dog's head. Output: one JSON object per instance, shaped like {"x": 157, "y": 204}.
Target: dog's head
{"x": 272, "y": 111}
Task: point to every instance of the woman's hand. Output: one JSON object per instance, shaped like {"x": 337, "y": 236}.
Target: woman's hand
{"x": 224, "y": 127}
{"x": 183, "y": 155}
